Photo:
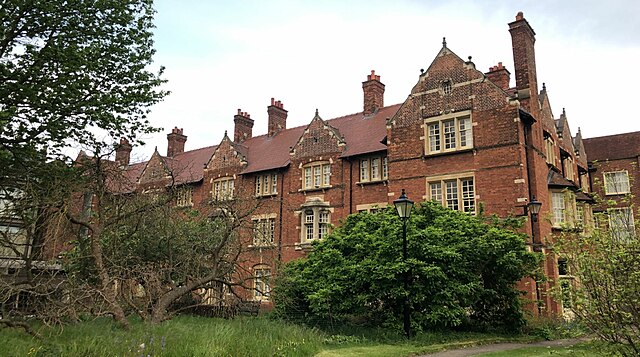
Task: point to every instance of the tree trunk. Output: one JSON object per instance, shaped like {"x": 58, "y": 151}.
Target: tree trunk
{"x": 159, "y": 312}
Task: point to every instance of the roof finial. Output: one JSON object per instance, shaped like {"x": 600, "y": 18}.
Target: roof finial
{"x": 564, "y": 112}
{"x": 544, "y": 86}
{"x": 444, "y": 42}
{"x": 316, "y": 111}
{"x": 469, "y": 58}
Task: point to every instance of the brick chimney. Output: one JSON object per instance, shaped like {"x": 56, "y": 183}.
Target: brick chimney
{"x": 123, "y": 152}
{"x": 175, "y": 141}
{"x": 499, "y": 75}
{"x": 277, "y": 117}
{"x": 524, "y": 60}
{"x": 373, "y": 93}
{"x": 243, "y": 126}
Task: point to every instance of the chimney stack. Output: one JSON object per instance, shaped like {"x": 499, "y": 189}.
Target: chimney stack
{"x": 373, "y": 93}
{"x": 123, "y": 152}
{"x": 524, "y": 60}
{"x": 499, "y": 75}
{"x": 277, "y": 117}
{"x": 243, "y": 126}
{"x": 175, "y": 141}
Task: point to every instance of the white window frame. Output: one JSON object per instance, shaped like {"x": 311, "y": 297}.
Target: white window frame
{"x": 563, "y": 210}
{"x": 453, "y": 191}
{"x": 621, "y": 223}
{"x": 261, "y": 283}
{"x": 184, "y": 196}
{"x": 374, "y": 169}
{"x": 266, "y": 185}
{"x": 614, "y": 185}
{"x": 316, "y": 175}
{"x": 315, "y": 221}
{"x": 448, "y": 133}
{"x": 569, "y": 172}
{"x": 264, "y": 229}
{"x": 223, "y": 188}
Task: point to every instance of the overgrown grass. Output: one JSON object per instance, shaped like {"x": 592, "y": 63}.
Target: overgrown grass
{"x": 197, "y": 336}
{"x": 182, "y": 336}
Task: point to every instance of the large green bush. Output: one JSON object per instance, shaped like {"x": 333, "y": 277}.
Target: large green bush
{"x": 464, "y": 270}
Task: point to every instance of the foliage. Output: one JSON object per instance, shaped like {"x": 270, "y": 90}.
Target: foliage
{"x": 74, "y": 71}
{"x": 606, "y": 292}
{"x": 463, "y": 271}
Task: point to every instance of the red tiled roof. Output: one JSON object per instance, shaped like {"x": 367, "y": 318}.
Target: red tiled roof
{"x": 189, "y": 165}
{"x": 362, "y": 134}
{"x": 556, "y": 180}
{"x": 611, "y": 147}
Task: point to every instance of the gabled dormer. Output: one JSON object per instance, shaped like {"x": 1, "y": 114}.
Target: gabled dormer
{"x": 228, "y": 155}
{"x": 318, "y": 139}
{"x": 156, "y": 173}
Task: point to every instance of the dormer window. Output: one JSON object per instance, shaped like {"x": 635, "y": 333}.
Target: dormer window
{"x": 316, "y": 175}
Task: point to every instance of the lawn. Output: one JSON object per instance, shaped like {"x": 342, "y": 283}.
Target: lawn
{"x": 579, "y": 350}
{"x": 196, "y": 336}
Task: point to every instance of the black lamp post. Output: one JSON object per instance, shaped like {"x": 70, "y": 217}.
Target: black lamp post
{"x": 403, "y": 206}
{"x": 534, "y": 207}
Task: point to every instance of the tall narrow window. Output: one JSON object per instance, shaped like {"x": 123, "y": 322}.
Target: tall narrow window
{"x": 449, "y": 129}
{"x": 452, "y": 194}
{"x": 385, "y": 168}
{"x": 364, "y": 170}
{"x": 468, "y": 196}
{"x": 264, "y": 231}
{"x": 262, "y": 286}
{"x": 323, "y": 224}
{"x": 559, "y": 208}
{"x": 434, "y": 137}
{"x": 309, "y": 224}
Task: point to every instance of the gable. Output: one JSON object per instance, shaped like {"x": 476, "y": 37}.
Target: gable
{"x": 155, "y": 172}
{"x": 318, "y": 138}
{"x": 450, "y": 84}
{"x": 227, "y": 155}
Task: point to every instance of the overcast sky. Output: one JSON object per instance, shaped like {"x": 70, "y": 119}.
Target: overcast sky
{"x": 221, "y": 56}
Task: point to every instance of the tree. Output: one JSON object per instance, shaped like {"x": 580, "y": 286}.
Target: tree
{"x": 72, "y": 73}
{"x": 464, "y": 270}
{"x": 71, "y": 67}
{"x": 604, "y": 265}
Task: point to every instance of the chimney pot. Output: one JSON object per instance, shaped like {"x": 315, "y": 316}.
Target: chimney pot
{"x": 123, "y": 152}
{"x": 277, "y": 117}
{"x": 175, "y": 142}
{"x": 272, "y": 101}
{"x": 373, "y": 93}
{"x": 519, "y": 16}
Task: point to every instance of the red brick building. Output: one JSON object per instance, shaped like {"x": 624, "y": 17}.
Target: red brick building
{"x": 614, "y": 165}
{"x": 468, "y": 139}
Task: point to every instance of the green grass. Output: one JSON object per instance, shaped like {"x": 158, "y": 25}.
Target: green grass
{"x": 183, "y": 336}
{"x": 197, "y": 336}
{"x": 580, "y": 350}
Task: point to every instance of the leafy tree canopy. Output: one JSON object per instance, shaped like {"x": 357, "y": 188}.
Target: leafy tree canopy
{"x": 463, "y": 270}
{"x": 74, "y": 72}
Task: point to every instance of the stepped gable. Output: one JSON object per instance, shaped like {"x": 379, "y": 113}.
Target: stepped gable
{"x": 362, "y": 134}
{"x": 621, "y": 146}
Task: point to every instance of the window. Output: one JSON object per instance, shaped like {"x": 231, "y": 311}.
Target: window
{"x": 621, "y": 223}
{"x": 455, "y": 193}
{"x": 371, "y": 207}
{"x": 549, "y": 149}
{"x": 261, "y": 285}
{"x": 316, "y": 175}
{"x": 446, "y": 87}
{"x": 567, "y": 164}
{"x": 579, "y": 216}
{"x": 184, "y": 197}
{"x": 559, "y": 208}
{"x": 264, "y": 231}
{"x": 316, "y": 218}
{"x": 223, "y": 189}
{"x": 266, "y": 185}
{"x": 14, "y": 241}
{"x": 374, "y": 169}
{"x": 616, "y": 182}
{"x": 447, "y": 133}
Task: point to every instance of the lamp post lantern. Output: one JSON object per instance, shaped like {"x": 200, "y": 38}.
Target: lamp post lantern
{"x": 403, "y": 206}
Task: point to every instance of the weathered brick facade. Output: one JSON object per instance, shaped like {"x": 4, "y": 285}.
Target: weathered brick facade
{"x": 462, "y": 137}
